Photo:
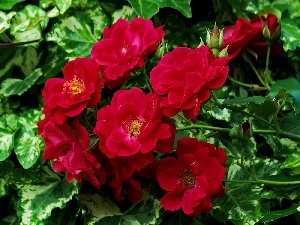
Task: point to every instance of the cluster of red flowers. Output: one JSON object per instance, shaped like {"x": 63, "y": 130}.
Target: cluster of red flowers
{"x": 135, "y": 124}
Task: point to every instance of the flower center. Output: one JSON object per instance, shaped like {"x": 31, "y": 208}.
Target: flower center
{"x": 133, "y": 126}
{"x": 74, "y": 87}
{"x": 187, "y": 178}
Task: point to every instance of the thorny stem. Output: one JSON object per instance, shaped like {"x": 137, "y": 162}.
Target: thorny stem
{"x": 266, "y": 72}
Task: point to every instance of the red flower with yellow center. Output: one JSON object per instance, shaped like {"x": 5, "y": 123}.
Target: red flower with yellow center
{"x": 192, "y": 179}
{"x": 79, "y": 89}
{"x": 133, "y": 123}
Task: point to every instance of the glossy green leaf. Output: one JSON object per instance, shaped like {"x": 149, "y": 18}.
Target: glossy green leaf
{"x": 290, "y": 86}
{"x": 14, "y": 86}
{"x": 291, "y": 123}
{"x": 290, "y": 34}
{"x": 148, "y": 8}
{"x": 37, "y": 201}
{"x": 28, "y": 23}
{"x": 8, "y": 4}
{"x": 74, "y": 35}
{"x": 274, "y": 215}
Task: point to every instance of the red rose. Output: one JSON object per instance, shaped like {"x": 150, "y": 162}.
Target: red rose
{"x": 79, "y": 89}
{"x": 249, "y": 34}
{"x": 241, "y": 35}
{"x": 186, "y": 77}
{"x": 124, "y": 47}
{"x": 192, "y": 179}
{"x": 132, "y": 123}
{"x": 272, "y": 25}
{"x": 67, "y": 146}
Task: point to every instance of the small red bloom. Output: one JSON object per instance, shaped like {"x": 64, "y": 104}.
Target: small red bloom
{"x": 67, "y": 147}
{"x": 79, "y": 89}
{"x": 124, "y": 47}
{"x": 249, "y": 34}
{"x": 186, "y": 76}
{"x": 192, "y": 179}
{"x": 132, "y": 123}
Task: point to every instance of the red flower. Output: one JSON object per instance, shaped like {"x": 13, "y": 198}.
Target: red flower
{"x": 124, "y": 47}
{"x": 186, "y": 76}
{"x": 132, "y": 123}
{"x": 79, "y": 89}
{"x": 241, "y": 35}
{"x": 67, "y": 146}
{"x": 272, "y": 25}
{"x": 194, "y": 178}
{"x": 249, "y": 34}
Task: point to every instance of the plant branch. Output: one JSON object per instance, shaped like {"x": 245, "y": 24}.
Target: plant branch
{"x": 255, "y": 87}
{"x": 5, "y": 45}
{"x": 267, "y": 182}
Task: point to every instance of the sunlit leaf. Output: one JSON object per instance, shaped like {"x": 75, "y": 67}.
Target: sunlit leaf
{"x": 8, "y": 4}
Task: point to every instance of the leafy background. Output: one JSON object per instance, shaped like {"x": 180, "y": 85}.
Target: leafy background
{"x": 38, "y": 37}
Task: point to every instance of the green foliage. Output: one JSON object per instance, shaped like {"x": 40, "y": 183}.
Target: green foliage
{"x": 8, "y": 4}
{"x": 149, "y": 8}
{"x": 37, "y": 201}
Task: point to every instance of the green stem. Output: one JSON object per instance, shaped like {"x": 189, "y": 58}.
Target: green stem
{"x": 266, "y": 72}
{"x": 5, "y": 45}
{"x": 258, "y": 75}
{"x": 147, "y": 80}
{"x": 255, "y": 87}
{"x": 267, "y": 182}
{"x": 281, "y": 133}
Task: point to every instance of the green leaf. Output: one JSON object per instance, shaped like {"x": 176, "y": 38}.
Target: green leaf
{"x": 290, "y": 86}
{"x": 37, "y": 201}
{"x": 241, "y": 101}
{"x": 63, "y": 5}
{"x": 74, "y": 35}
{"x": 145, "y": 212}
{"x": 8, "y": 4}
{"x": 28, "y": 144}
{"x": 14, "y": 86}
{"x": 274, "y": 215}
{"x": 290, "y": 34}
{"x": 28, "y": 23}
{"x": 26, "y": 58}
{"x": 4, "y": 20}
{"x": 6, "y": 144}
{"x": 291, "y": 123}
{"x": 148, "y": 8}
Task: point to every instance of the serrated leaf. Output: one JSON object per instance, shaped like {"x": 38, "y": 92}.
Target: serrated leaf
{"x": 8, "y": 4}
{"x": 14, "y": 86}
{"x": 148, "y": 8}
{"x": 74, "y": 35}
{"x": 290, "y": 86}
{"x": 290, "y": 34}
{"x": 274, "y": 215}
{"x": 126, "y": 13}
{"x": 37, "y": 201}
{"x": 28, "y": 23}
{"x": 63, "y": 5}
{"x": 291, "y": 123}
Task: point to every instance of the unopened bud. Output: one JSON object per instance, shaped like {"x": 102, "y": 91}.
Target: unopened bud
{"x": 214, "y": 38}
{"x": 161, "y": 50}
{"x": 271, "y": 27}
